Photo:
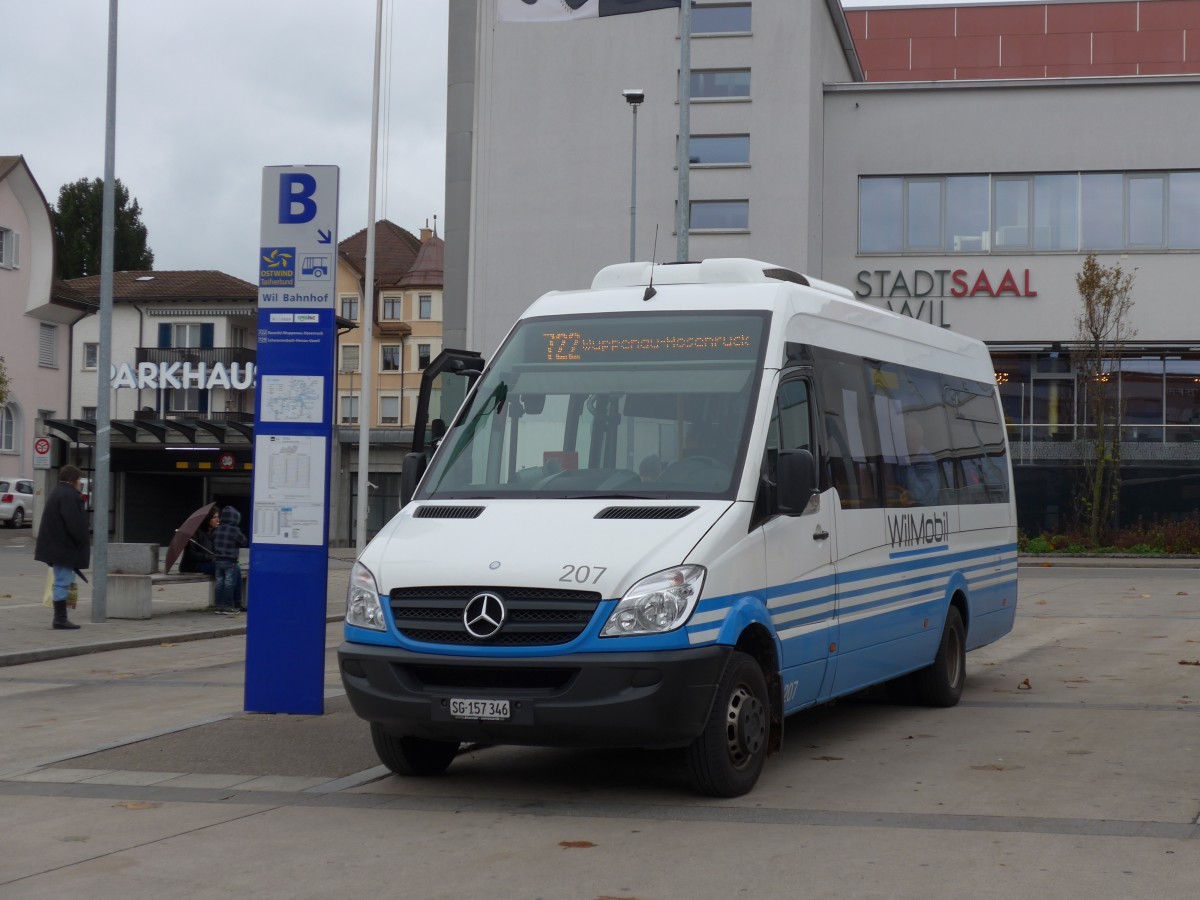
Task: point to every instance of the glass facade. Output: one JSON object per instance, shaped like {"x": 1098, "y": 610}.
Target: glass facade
{"x": 1065, "y": 212}
{"x": 1155, "y": 397}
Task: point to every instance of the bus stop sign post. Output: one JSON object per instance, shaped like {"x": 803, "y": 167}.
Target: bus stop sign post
{"x": 293, "y": 422}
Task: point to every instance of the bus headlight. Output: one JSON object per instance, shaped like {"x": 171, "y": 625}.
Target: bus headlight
{"x": 658, "y": 603}
{"x": 363, "y": 609}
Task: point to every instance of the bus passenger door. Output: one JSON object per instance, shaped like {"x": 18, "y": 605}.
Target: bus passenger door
{"x": 799, "y": 557}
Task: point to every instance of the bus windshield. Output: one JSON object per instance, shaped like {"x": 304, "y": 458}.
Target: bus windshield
{"x": 640, "y": 405}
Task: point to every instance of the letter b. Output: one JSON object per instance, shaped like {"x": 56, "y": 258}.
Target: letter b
{"x": 296, "y": 189}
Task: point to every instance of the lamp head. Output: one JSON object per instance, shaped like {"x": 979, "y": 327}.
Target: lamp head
{"x": 634, "y": 96}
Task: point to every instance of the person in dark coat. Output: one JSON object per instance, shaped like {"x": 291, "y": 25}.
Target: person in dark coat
{"x": 63, "y": 542}
{"x": 226, "y": 541}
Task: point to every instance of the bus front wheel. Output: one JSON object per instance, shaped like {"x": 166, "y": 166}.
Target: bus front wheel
{"x": 726, "y": 759}
{"x": 412, "y": 755}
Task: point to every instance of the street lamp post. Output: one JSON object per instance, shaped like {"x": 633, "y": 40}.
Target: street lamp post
{"x": 634, "y": 98}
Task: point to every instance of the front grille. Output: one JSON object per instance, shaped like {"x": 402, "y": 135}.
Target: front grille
{"x": 536, "y": 616}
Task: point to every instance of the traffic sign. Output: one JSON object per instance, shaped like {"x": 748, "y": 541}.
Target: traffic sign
{"x": 41, "y": 453}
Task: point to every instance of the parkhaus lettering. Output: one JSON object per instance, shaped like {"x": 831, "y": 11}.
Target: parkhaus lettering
{"x": 182, "y": 376}
{"x": 917, "y": 283}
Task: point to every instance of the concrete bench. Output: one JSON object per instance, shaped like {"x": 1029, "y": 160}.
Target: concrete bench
{"x": 133, "y": 574}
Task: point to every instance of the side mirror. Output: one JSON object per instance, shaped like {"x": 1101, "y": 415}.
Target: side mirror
{"x": 410, "y": 476}
{"x": 796, "y": 481}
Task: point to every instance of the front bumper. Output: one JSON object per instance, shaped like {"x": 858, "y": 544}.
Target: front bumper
{"x": 652, "y": 699}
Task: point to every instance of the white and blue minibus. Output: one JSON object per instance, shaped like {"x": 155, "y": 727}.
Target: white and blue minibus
{"x": 677, "y": 508}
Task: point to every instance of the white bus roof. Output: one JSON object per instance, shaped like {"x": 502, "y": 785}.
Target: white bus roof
{"x": 816, "y": 311}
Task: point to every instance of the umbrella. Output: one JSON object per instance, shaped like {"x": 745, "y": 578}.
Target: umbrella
{"x": 185, "y": 533}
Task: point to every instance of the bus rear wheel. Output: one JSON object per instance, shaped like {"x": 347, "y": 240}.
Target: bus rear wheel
{"x": 726, "y": 759}
{"x": 412, "y": 755}
{"x": 941, "y": 684}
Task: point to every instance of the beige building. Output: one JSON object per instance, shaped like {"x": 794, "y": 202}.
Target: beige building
{"x": 406, "y": 333}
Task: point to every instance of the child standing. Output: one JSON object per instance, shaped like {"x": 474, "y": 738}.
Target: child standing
{"x": 226, "y": 540}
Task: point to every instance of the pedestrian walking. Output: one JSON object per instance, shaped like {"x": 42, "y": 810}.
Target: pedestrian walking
{"x": 226, "y": 540}
{"x": 63, "y": 542}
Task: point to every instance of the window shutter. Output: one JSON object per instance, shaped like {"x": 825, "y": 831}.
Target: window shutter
{"x": 16, "y": 250}
{"x": 206, "y": 334}
{"x": 164, "y": 334}
{"x": 48, "y": 346}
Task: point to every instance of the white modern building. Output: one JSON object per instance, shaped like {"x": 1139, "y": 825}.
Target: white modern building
{"x": 969, "y": 203}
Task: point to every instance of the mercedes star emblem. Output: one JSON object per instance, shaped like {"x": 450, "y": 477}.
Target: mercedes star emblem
{"x": 484, "y": 615}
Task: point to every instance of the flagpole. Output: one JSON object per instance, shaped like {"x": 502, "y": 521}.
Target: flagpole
{"x": 683, "y": 201}
{"x": 102, "y": 459}
{"x": 366, "y": 357}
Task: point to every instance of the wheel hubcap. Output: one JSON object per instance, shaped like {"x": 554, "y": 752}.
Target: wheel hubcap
{"x": 745, "y": 726}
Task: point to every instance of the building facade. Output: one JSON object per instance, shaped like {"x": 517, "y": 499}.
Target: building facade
{"x": 37, "y": 314}
{"x": 970, "y": 203}
{"x": 406, "y": 333}
{"x": 181, "y": 401}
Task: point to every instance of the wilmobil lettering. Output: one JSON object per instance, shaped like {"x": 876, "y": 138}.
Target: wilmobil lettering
{"x": 911, "y": 530}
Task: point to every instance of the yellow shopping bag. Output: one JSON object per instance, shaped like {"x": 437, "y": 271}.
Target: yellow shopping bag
{"x": 48, "y": 593}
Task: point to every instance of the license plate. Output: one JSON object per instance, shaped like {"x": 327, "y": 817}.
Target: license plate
{"x": 486, "y": 710}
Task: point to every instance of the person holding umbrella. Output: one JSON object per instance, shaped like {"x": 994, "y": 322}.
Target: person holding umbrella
{"x": 63, "y": 541}
{"x": 198, "y": 552}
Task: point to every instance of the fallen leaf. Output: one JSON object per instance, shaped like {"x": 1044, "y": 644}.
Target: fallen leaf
{"x": 138, "y": 804}
{"x": 1025, "y": 686}
{"x": 1077, "y": 681}
{"x": 1047, "y": 565}
{"x": 1189, "y": 662}
{"x": 1144, "y": 596}
{"x": 576, "y": 844}
{"x": 995, "y": 767}
{"x": 168, "y": 645}
{"x": 1078, "y": 752}
{"x": 1181, "y": 593}
{"x": 829, "y": 758}
{"x": 1040, "y": 603}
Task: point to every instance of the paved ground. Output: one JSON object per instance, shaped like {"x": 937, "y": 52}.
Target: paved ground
{"x": 181, "y": 611}
{"x": 1070, "y": 769}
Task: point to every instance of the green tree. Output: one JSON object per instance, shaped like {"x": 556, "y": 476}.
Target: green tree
{"x": 3, "y": 383}
{"x": 77, "y": 229}
{"x": 1102, "y": 328}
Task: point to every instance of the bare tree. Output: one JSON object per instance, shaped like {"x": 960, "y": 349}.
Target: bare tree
{"x": 1103, "y": 328}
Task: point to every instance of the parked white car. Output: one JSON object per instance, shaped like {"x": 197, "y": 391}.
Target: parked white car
{"x": 16, "y": 501}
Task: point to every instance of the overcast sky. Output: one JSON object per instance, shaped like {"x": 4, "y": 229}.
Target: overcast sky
{"x": 209, "y": 93}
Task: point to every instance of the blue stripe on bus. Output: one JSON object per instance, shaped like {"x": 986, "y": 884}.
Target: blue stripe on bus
{"x": 922, "y": 552}
{"x": 976, "y": 562}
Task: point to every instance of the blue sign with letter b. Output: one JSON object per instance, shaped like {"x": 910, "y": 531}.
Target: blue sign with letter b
{"x": 296, "y": 189}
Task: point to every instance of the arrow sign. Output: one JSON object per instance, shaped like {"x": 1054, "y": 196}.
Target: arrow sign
{"x": 323, "y": 237}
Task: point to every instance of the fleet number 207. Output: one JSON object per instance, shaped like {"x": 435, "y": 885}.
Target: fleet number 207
{"x": 582, "y": 574}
